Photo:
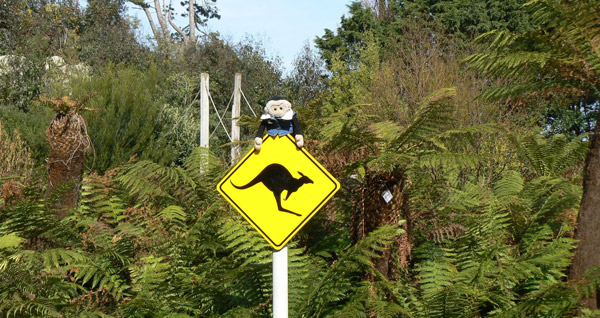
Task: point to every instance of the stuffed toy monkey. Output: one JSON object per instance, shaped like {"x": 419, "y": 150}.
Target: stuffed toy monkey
{"x": 279, "y": 119}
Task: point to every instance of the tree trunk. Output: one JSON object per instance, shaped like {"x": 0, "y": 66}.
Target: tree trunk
{"x": 587, "y": 255}
{"x": 69, "y": 142}
{"x": 372, "y": 212}
{"x": 192, "y": 16}
{"x": 161, "y": 19}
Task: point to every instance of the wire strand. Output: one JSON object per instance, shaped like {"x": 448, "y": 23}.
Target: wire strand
{"x": 217, "y": 112}
{"x": 247, "y": 103}
{"x": 224, "y": 112}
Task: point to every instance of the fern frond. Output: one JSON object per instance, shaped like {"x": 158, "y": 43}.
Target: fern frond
{"x": 10, "y": 241}
{"x": 337, "y": 283}
{"x": 449, "y": 159}
{"x": 433, "y": 114}
{"x": 150, "y": 181}
{"x": 488, "y": 128}
{"x": 509, "y": 186}
{"x": 173, "y": 214}
{"x": 30, "y": 308}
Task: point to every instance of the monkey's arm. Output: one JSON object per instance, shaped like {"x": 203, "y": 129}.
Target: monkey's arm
{"x": 296, "y": 125}
{"x": 297, "y": 131}
{"x": 261, "y": 129}
{"x": 259, "y": 134}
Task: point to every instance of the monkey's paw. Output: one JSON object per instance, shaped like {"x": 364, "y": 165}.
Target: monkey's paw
{"x": 257, "y": 143}
{"x": 299, "y": 140}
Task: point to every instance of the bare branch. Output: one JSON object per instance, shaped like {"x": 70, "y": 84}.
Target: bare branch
{"x": 157, "y": 35}
{"x": 179, "y": 30}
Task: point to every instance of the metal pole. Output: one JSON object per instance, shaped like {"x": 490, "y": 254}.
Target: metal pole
{"x": 204, "y": 133}
{"x": 280, "y": 283}
{"x": 235, "y": 114}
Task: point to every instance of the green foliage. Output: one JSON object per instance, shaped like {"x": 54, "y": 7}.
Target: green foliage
{"x": 16, "y": 156}
{"x": 32, "y": 127}
{"x": 39, "y": 28}
{"x": 466, "y": 20}
{"x": 493, "y": 231}
{"x": 552, "y": 156}
{"x": 124, "y": 120}
{"x": 351, "y": 34}
{"x": 489, "y": 206}
{"x": 557, "y": 61}
{"x": 161, "y": 258}
{"x": 182, "y": 253}
{"x": 21, "y": 81}
{"x": 107, "y": 36}
{"x": 307, "y": 79}
{"x": 454, "y": 22}
{"x": 510, "y": 261}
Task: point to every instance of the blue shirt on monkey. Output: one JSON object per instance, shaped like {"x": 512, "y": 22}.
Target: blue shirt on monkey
{"x": 287, "y": 124}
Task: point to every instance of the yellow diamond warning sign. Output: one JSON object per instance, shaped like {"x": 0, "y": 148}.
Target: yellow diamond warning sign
{"x": 279, "y": 189}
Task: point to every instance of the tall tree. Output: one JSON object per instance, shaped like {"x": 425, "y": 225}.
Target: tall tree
{"x": 198, "y": 13}
{"x": 350, "y": 34}
{"x": 107, "y": 35}
{"x": 561, "y": 57}
{"x": 307, "y": 79}
{"x": 38, "y": 27}
{"x": 457, "y": 22}
{"x": 466, "y": 19}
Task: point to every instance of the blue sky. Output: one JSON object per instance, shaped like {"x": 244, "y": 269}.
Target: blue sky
{"x": 283, "y": 25}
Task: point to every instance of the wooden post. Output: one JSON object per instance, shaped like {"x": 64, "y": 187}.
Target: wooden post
{"x": 235, "y": 114}
{"x": 204, "y": 129}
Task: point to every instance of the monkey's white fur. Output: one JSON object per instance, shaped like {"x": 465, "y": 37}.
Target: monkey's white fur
{"x": 285, "y": 105}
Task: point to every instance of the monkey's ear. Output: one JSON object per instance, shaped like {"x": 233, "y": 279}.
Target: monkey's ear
{"x": 300, "y": 173}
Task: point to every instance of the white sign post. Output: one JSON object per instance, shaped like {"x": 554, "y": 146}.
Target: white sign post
{"x": 280, "y": 283}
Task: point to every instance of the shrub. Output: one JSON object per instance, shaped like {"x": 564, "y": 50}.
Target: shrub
{"x": 124, "y": 120}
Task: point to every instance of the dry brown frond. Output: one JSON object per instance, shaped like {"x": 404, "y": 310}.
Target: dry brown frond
{"x": 15, "y": 163}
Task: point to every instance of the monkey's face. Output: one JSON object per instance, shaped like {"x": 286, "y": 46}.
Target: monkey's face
{"x": 277, "y": 109}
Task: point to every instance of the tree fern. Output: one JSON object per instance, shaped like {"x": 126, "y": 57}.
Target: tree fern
{"x": 560, "y": 55}
{"x": 339, "y": 290}
{"x": 551, "y": 156}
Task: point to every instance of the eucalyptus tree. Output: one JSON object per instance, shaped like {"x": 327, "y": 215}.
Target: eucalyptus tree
{"x": 197, "y": 12}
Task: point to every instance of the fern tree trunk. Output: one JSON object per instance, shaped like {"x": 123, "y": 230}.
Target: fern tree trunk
{"x": 372, "y": 211}
{"x": 587, "y": 255}
{"x": 69, "y": 142}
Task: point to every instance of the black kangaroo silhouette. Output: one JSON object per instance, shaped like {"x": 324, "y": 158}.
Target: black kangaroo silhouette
{"x": 277, "y": 178}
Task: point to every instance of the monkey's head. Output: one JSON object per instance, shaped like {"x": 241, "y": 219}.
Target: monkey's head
{"x": 277, "y": 107}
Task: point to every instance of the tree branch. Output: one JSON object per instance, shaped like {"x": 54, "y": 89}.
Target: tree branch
{"x": 180, "y": 31}
{"x": 200, "y": 30}
{"x": 157, "y": 35}
{"x": 161, "y": 18}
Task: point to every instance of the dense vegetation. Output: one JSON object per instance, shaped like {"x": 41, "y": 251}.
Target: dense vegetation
{"x": 478, "y": 116}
